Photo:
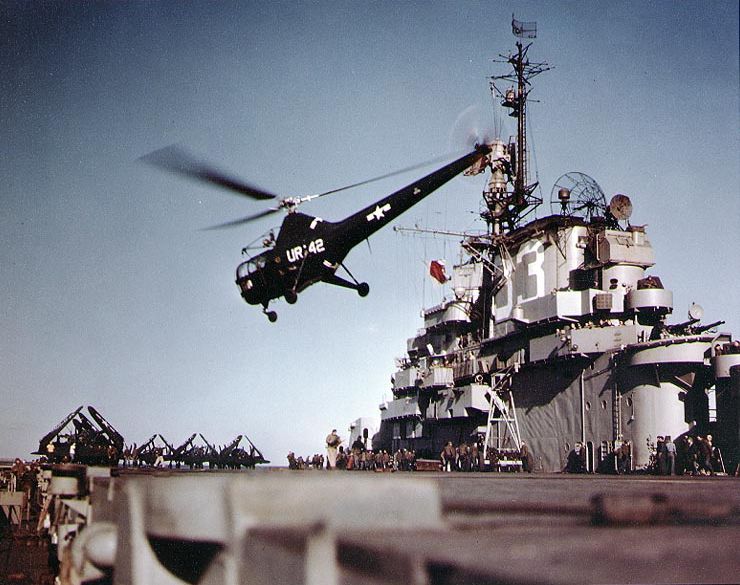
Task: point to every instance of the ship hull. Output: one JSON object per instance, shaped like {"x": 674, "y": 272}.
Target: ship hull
{"x": 602, "y": 401}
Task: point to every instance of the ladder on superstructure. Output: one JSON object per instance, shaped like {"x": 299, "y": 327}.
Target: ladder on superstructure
{"x": 502, "y": 420}
{"x": 501, "y": 275}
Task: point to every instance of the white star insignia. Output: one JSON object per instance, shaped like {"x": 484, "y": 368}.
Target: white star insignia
{"x": 379, "y": 212}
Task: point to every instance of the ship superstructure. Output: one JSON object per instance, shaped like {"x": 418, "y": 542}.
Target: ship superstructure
{"x": 555, "y": 333}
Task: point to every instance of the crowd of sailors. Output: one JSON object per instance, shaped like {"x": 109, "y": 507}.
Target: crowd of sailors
{"x": 470, "y": 457}
{"x": 464, "y": 457}
{"x": 24, "y": 477}
{"x": 359, "y": 459}
{"x": 21, "y": 476}
{"x": 82, "y": 447}
{"x": 686, "y": 456}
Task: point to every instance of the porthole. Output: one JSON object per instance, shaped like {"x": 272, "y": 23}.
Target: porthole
{"x": 567, "y": 447}
{"x": 603, "y": 404}
{"x": 588, "y": 406}
{"x": 629, "y": 402}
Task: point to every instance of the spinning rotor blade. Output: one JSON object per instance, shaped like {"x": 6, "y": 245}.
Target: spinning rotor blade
{"x": 473, "y": 126}
{"x": 295, "y": 201}
{"x": 178, "y": 161}
{"x": 243, "y": 220}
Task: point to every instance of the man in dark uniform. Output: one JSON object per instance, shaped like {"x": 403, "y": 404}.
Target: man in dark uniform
{"x": 576, "y": 460}
{"x": 447, "y": 456}
{"x": 660, "y": 455}
{"x": 704, "y": 452}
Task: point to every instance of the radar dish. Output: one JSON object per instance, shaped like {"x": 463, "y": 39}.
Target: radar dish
{"x": 696, "y": 312}
{"x": 620, "y": 207}
{"x": 577, "y": 194}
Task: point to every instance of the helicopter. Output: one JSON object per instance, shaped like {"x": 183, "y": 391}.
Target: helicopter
{"x": 307, "y": 249}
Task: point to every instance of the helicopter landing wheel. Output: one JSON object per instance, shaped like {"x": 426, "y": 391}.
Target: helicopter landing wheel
{"x": 271, "y": 316}
{"x": 291, "y": 297}
{"x": 363, "y": 289}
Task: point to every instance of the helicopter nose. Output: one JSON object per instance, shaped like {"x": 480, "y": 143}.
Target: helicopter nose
{"x": 248, "y": 290}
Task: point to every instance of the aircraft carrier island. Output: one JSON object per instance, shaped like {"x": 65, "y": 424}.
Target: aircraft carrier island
{"x": 556, "y": 332}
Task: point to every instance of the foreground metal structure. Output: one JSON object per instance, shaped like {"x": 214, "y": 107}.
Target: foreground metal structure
{"x": 326, "y": 528}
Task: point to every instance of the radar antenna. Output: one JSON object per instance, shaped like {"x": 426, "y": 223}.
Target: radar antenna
{"x": 577, "y": 194}
{"x": 619, "y": 209}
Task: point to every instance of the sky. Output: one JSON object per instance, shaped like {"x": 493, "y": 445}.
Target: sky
{"x": 111, "y": 295}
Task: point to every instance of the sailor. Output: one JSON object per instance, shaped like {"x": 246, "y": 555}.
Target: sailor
{"x": 660, "y": 455}
{"x": 341, "y": 459}
{"x": 670, "y": 455}
{"x": 332, "y": 444}
{"x": 527, "y": 458}
{"x": 50, "y": 452}
{"x": 623, "y": 458}
{"x": 358, "y": 445}
{"x": 474, "y": 457}
{"x": 410, "y": 460}
{"x": 576, "y": 459}
{"x": 447, "y": 456}
{"x": 112, "y": 455}
{"x": 704, "y": 447}
{"x": 17, "y": 470}
{"x": 690, "y": 456}
{"x": 463, "y": 457}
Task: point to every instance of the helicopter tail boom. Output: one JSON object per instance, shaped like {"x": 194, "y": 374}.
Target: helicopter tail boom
{"x": 366, "y": 222}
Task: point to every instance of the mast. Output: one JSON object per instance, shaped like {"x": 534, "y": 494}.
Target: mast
{"x": 508, "y": 195}
{"x": 508, "y": 205}
{"x": 520, "y": 184}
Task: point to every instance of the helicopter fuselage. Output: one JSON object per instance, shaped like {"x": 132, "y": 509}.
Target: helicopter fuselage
{"x": 297, "y": 260}
{"x": 309, "y": 249}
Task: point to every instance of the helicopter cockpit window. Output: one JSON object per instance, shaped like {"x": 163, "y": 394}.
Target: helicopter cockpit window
{"x": 248, "y": 267}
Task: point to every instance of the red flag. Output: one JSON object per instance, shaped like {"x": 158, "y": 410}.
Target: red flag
{"x": 437, "y": 271}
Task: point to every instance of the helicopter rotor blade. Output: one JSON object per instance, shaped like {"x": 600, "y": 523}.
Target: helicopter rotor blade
{"x": 176, "y": 160}
{"x": 242, "y": 220}
{"x": 381, "y": 177}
